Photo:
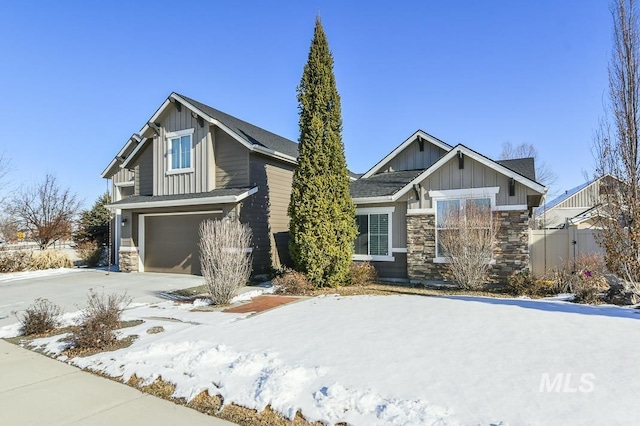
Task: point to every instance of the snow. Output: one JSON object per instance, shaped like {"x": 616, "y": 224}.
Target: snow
{"x": 401, "y": 360}
{"x": 16, "y": 276}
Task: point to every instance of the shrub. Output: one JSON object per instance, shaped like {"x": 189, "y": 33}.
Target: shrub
{"x": 587, "y": 282}
{"x": 293, "y": 282}
{"x": 468, "y": 238}
{"x": 524, "y": 283}
{"x": 226, "y": 265}
{"x": 100, "y": 319}
{"x": 50, "y": 259}
{"x": 89, "y": 252}
{"x": 362, "y": 274}
{"x": 40, "y": 317}
{"x": 14, "y": 260}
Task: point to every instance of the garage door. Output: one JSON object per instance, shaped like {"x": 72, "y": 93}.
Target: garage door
{"x": 171, "y": 243}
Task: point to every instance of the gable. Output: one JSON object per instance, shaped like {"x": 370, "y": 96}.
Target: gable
{"x": 419, "y": 151}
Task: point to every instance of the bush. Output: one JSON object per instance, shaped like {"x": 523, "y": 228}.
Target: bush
{"x": 40, "y": 317}
{"x": 524, "y": 283}
{"x": 50, "y": 259}
{"x": 587, "y": 282}
{"x": 90, "y": 252}
{"x": 226, "y": 265}
{"x": 15, "y": 260}
{"x": 100, "y": 319}
{"x": 362, "y": 274}
{"x": 293, "y": 282}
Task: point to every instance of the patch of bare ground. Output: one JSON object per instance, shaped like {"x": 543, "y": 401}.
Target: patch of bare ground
{"x": 213, "y": 405}
{"x": 389, "y": 289}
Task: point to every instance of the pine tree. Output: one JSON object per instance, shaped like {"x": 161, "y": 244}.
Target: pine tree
{"x": 94, "y": 224}
{"x": 322, "y": 225}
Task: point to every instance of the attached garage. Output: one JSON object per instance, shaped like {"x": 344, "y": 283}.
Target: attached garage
{"x": 170, "y": 241}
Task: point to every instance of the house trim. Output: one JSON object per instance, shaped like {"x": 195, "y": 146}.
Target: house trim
{"x": 229, "y": 199}
{"x": 128, "y": 183}
{"x": 437, "y": 142}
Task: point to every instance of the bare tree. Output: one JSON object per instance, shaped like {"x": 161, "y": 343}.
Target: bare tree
{"x": 225, "y": 261}
{"x": 468, "y": 242}
{"x": 45, "y": 210}
{"x": 616, "y": 147}
{"x": 544, "y": 174}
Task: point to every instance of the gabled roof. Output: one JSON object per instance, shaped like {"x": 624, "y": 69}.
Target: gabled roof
{"x": 382, "y": 184}
{"x": 252, "y": 137}
{"x": 563, "y": 197}
{"x": 120, "y": 157}
{"x": 524, "y": 166}
{"x": 418, "y": 134}
{"x": 443, "y": 160}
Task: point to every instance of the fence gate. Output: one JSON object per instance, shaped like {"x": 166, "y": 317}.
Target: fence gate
{"x": 557, "y": 248}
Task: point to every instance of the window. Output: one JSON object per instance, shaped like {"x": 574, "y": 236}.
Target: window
{"x": 180, "y": 151}
{"x": 455, "y": 211}
{"x": 374, "y": 234}
{"x": 451, "y": 206}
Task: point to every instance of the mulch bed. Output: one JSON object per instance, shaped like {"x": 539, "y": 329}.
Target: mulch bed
{"x": 261, "y": 303}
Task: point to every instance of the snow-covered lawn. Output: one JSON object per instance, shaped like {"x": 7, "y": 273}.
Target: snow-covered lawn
{"x": 397, "y": 359}
{"x": 17, "y": 276}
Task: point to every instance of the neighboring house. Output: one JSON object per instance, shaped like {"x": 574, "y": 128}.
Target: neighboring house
{"x": 577, "y": 206}
{"x": 401, "y": 201}
{"x": 189, "y": 163}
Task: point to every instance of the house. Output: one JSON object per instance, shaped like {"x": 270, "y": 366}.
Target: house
{"x": 577, "y": 206}
{"x": 191, "y": 162}
{"x": 401, "y": 201}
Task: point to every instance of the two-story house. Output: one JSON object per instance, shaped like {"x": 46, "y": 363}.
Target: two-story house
{"x": 402, "y": 200}
{"x": 191, "y": 162}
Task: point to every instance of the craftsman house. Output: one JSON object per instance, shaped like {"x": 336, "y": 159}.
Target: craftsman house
{"x": 401, "y": 202}
{"x": 191, "y": 162}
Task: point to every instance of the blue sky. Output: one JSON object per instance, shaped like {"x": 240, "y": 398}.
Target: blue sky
{"x": 78, "y": 78}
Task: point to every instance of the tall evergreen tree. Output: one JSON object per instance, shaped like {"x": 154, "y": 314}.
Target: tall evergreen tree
{"x": 94, "y": 224}
{"x": 322, "y": 225}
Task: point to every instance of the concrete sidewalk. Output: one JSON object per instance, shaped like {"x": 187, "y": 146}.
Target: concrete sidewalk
{"x": 38, "y": 390}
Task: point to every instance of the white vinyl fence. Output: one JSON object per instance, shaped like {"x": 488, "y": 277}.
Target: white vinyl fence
{"x": 557, "y": 248}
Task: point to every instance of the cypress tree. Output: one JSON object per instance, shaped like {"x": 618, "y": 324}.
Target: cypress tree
{"x": 322, "y": 225}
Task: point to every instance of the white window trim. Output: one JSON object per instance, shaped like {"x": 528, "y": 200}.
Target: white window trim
{"x": 378, "y": 210}
{"x": 172, "y": 135}
{"x": 460, "y": 194}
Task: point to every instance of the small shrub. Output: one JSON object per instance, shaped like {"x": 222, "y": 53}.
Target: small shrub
{"x": 293, "y": 282}
{"x": 523, "y": 283}
{"x": 50, "y": 259}
{"x": 40, "y": 317}
{"x": 15, "y": 260}
{"x": 362, "y": 274}
{"x": 226, "y": 265}
{"x": 89, "y": 252}
{"x": 100, "y": 319}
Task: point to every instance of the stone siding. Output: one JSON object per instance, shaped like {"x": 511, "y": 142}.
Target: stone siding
{"x": 128, "y": 261}
{"x": 511, "y": 253}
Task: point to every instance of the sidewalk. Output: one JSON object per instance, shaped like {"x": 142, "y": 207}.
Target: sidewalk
{"x": 35, "y": 390}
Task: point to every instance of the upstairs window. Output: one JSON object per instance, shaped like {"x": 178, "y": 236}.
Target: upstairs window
{"x": 180, "y": 150}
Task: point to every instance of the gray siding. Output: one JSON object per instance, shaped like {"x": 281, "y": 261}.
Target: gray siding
{"x": 411, "y": 158}
{"x": 474, "y": 175}
{"x": 119, "y": 192}
{"x": 396, "y": 269}
{"x": 398, "y": 222}
{"x": 279, "y": 177}
{"x": 123, "y": 175}
{"x": 255, "y": 212}
{"x": 144, "y": 172}
{"x": 232, "y": 161}
{"x": 199, "y": 180}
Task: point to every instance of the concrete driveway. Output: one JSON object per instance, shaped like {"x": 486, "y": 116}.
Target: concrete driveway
{"x": 70, "y": 290}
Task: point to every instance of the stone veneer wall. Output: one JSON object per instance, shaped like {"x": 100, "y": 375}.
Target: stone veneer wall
{"x": 128, "y": 261}
{"x": 511, "y": 253}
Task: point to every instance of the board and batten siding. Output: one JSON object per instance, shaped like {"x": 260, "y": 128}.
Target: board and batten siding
{"x": 202, "y": 161}
{"x": 411, "y": 158}
{"x": 144, "y": 172}
{"x": 585, "y": 198}
{"x": 232, "y": 161}
{"x": 473, "y": 175}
